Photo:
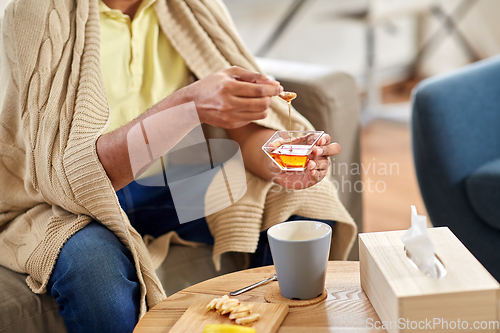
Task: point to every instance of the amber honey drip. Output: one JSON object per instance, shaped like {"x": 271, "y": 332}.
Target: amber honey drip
{"x": 289, "y": 96}
{"x": 290, "y": 116}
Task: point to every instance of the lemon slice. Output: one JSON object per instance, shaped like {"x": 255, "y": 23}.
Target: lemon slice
{"x": 224, "y": 328}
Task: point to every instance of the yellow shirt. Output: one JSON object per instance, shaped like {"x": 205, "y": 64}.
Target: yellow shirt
{"x": 139, "y": 65}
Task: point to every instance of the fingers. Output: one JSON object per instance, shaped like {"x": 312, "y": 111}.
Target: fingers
{"x": 250, "y": 104}
{"x": 245, "y": 89}
{"x": 239, "y": 111}
{"x": 317, "y": 171}
{"x": 326, "y": 139}
{"x": 318, "y": 168}
{"x": 251, "y": 116}
{"x": 328, "y": 150}
{"x": 319, "y": 164}
{"x": 241, "y": 74}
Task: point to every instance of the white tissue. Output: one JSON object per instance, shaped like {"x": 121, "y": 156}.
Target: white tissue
{"x": 420, "y": 248}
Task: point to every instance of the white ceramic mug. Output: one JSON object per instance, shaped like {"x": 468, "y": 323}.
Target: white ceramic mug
{"x": 300, "y": 251}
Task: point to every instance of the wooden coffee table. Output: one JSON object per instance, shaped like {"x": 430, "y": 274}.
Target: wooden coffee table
{"x": 347, "y": 309}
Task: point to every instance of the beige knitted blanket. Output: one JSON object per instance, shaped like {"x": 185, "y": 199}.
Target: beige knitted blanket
{"x": 53, "y": 109}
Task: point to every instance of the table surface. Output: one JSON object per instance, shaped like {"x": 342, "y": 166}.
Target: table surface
{"x": 346, "y": 309}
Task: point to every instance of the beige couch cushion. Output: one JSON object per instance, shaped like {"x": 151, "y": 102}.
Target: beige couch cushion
{"x": 186, "y": 266}
{"x": 23, "y": 311}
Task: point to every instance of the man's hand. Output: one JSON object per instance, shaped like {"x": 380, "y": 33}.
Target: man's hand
{"x": 233, "y": 97}
{"x": 315, "y": 170}
{"x": 230, "y": 98}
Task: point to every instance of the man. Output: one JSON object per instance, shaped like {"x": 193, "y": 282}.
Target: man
{"x": 67, "y": 110}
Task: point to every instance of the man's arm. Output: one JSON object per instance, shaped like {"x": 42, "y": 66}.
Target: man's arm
{"x": 112, "y": 148}
{"x": 251, "y": 138}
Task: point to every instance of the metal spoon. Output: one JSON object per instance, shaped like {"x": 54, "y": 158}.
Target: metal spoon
{"x": 288, "y": 96}
{"x": 237, "y": 292}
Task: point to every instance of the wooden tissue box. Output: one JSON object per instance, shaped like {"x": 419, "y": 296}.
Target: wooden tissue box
{"x": 404, "y": 297}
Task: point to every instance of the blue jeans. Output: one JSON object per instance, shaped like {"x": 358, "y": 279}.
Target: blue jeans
{"x": 94, "y": 280}
{"x": 95, "y": 283}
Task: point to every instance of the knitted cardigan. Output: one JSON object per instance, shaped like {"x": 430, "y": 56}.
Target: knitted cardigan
{"x": 53, "y": 109}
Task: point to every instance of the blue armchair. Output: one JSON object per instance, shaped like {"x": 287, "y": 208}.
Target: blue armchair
{"x": 456, "y": 146}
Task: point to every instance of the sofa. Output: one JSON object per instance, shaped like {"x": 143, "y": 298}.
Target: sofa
{"x": 456, "y": 147}
{"x": 327, "y": 98}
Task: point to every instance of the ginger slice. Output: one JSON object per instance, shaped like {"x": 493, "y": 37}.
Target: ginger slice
{"x": 247, "y": 320}
{"x": 228, "y": 306}
{"x": 239, "y": 315}
{"x": 242, "y": 308}
{"x": 212, "y": 304}
{"x": 221, "y": 301}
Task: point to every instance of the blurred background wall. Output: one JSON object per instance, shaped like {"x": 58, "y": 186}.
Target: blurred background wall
{"x": 333, "y": 33}
{"x": 3, "y": 4}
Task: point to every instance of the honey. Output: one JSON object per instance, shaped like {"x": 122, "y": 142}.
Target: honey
{"x": 290, "y": 149}
{"x": 291, "y": 156}
{"x": 288, "y": 96}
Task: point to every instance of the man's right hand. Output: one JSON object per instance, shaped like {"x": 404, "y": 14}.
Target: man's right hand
{"x": 233, "y": 97}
